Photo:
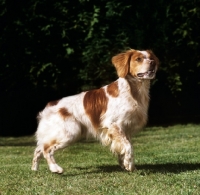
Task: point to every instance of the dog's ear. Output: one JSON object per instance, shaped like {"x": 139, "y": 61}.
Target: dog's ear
{"x": 122, "y": 63}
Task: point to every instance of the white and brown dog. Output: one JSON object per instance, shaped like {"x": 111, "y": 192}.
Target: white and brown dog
{"x": 111, "y": 114}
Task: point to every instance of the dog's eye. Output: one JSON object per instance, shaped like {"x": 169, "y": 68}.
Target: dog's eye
{"x": 139, "y": 59}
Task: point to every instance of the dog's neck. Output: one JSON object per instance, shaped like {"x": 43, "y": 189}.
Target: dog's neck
{"x": 138, "y": 83}
{"x": 139, "y": 88}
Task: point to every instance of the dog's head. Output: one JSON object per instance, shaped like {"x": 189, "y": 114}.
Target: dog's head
{"x": 139, "y": 64}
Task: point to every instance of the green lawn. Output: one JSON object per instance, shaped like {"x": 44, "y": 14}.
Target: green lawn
{"x": 167, "y": 161}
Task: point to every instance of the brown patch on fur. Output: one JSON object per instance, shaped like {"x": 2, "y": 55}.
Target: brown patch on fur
{"x": 122, "y": 62}
{"x": 95, "y": 104}
{"x": 48, "y": 146}
{"x": 53, "y": 142}
{"x": 110, "y": 135}
{"x": 113, "y": 89}
{"x": 52, "y": 103}
{"x": 64, "y": 113}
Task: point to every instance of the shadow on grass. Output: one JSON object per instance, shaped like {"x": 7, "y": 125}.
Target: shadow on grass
{"x": 95, "y": 170}
{"x": 145, "y": 169}
{"x": 169, "y": 167}
{"x": 105, "y": 168}
{"x": 157, "y": 168}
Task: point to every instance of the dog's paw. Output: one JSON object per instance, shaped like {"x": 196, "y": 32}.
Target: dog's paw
{"x": 54, "y": 168}
{"x": 129, "y": 166}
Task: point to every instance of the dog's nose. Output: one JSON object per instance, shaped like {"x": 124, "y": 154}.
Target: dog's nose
{"x": 152, "y": 65}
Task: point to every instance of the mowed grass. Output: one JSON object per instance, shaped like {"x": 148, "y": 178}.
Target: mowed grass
{"x": 167, "y": 161}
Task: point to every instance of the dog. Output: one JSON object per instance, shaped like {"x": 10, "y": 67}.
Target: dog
{"x": 112, "y": 113}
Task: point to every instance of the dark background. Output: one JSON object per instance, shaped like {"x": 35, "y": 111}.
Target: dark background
{"x": 50, "y": 49}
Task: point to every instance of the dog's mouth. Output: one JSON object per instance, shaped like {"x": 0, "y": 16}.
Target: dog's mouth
{"x": 149, "y": 74}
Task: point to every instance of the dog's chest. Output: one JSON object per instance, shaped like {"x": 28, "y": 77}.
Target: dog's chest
{"x": 136, "y": 118}
{"x": 135, "y": 109}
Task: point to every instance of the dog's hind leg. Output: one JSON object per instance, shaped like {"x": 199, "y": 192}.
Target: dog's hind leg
{"x": 48, "y": 152}
{"x": 36, "y": 158}
{"x": 63, "y": 137}
{"x": 56, "y": 130}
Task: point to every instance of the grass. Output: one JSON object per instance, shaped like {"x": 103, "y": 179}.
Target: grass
{"x": 167, "y": 161}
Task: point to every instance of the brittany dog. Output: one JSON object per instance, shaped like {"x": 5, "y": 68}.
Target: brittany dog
{"x": 112, "y": 113}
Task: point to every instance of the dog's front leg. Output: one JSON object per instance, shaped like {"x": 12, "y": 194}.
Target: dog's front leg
{"x": 128, "y": 160}
{"x": 122, "y": 147}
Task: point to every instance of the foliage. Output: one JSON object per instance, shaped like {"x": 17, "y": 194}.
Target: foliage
{"x": 182, "y": 57}
{"x": 167, "y": 161}
{"x": 50, "y": 43}
{"x": 50, "y": 49}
